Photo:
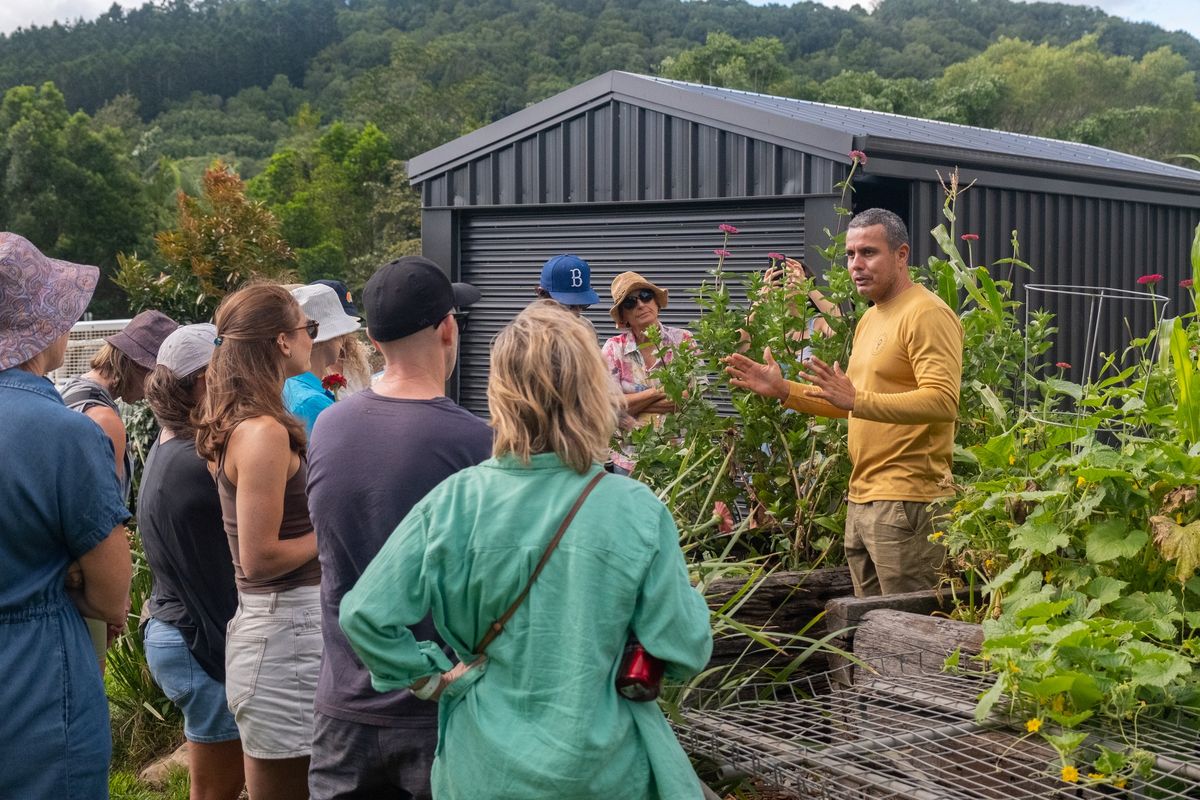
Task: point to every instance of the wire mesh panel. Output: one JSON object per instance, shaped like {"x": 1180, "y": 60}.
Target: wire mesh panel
{"x": 86, "y": 338}
{"x": 913, "y": 736}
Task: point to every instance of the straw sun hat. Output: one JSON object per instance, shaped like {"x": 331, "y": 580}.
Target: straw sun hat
{"x": 626, "y": 284}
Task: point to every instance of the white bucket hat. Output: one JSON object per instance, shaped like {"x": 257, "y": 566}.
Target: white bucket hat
{"x": 321, "y": 302}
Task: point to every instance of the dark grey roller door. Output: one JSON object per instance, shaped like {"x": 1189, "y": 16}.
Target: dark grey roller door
{"x": 671, "y": 244}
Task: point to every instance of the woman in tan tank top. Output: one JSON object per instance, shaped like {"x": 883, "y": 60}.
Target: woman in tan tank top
{"x": 255, "y": 450}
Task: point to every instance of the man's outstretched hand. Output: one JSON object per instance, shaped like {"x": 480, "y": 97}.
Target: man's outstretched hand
{"x": 832, "y": 384}
{"x": 765, "y": 379}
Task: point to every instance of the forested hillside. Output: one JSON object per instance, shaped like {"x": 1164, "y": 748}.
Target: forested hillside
{"x": 318, "y": 102}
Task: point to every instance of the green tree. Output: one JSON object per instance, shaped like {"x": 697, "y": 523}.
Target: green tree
{"x": 222, "y": 240}
{"x": 68, "y": 185}
{"x": 722, "y": 60}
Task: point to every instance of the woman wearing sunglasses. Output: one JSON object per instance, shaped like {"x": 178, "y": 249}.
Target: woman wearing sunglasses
{"x": 255, "y": 450}
{"x": 632, "y": 357}
{"x": 304, "y": 394}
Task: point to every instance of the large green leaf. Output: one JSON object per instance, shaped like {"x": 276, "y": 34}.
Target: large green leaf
{"x": 1040, "y": 534}
{"x": 1112, "y": 539}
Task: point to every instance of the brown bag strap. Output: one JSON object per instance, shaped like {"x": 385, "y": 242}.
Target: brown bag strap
{"x": 498, "y": 625}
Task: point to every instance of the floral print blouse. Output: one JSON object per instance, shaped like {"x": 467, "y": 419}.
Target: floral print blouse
{"x": 628, "y": 368}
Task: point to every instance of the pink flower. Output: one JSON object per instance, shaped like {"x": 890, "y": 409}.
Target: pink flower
{"x": 1149, "y": 280}
{"x": 723, "y": 253}
{"x": 721, "y": 512}
{"x": 1186, "y": 283}
{"x": 1063, "y": 365}
{"x": 777, "y": 256}
{"x": 726, "y": 228}
{"x": 970, "y": 237}
{"x": 859, "y": 156}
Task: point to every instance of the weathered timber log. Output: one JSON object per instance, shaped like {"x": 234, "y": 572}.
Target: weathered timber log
{"x": 782, "y": 603}
{"x": 847, "y": 613}
{"x": 888, "y": 632}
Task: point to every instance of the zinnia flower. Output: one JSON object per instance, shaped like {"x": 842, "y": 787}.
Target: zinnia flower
{"x": 333, "y": 381}
{"x": 970, "y": 237}
{"x": 1186, "y": 283}
{"x": 1070, "y": 774}
{"x": 1033, "y": 725}
{"x": 723, "y": 253}
{"x": 859, "y": 156}
{"x": 721, "y": 512}
{"x": 1063, "y": 365}
{"x": 1149, "y": 280}
{"x": 777, "y": 256}
{"x": 726, "y": 228}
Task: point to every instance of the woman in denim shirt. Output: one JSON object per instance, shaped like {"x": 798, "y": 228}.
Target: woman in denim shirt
{"x": 62, "y": 505}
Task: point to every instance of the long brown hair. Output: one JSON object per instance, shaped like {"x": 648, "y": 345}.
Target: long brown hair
{"x": 550, "y": 390}
{"x": 172, "y": 399}
{"x": 246, "y": 375}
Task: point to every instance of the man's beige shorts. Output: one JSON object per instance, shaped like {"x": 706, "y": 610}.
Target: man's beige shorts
{"x": 888, "y": 547}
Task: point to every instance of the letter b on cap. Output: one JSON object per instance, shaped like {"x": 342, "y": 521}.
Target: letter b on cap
{"x": 576, "y": 278}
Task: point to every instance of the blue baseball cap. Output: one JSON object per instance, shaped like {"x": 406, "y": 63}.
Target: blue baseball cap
{"x": 568, "y": 279}
{"x": 343, "y": 293}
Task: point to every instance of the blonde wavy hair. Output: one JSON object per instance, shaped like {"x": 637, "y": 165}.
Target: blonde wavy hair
{"x": 550, "y": 390}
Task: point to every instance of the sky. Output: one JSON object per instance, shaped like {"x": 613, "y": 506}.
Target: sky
{"x": 1170, "y": 14}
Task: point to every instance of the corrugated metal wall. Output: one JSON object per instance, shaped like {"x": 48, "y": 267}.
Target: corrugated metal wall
{"x": 670, "y": 244}
{"x": 618, "y": 152}
{"x": 1067, "y": 239}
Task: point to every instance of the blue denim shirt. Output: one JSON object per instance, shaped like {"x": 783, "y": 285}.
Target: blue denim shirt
{"x": 59, "y": 498}
{"x": 305, "y": 397}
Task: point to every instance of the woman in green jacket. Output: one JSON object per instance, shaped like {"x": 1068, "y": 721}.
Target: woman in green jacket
{"x": 539, "y": 716}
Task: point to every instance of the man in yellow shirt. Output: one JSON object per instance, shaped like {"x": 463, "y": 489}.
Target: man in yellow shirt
{"x": 900, "y": 391}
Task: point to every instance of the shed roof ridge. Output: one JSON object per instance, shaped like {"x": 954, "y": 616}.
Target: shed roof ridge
{"x": 925, "y": 120}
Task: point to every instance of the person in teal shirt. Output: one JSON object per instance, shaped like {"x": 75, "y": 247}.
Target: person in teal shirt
{"x": 539, "y": 716}
{"x": 304, "y": 395}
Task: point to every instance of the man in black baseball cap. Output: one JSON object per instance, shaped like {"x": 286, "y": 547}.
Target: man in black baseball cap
{"x": 406, "y": 437}
{"x": 410, "y": 294}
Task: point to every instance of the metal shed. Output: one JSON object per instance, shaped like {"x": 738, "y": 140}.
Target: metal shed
{"x": 636, "y": 172}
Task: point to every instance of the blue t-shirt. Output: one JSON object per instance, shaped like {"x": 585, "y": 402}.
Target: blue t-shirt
{"x": 305, "y": 397}
{"x": 370, "y": 460}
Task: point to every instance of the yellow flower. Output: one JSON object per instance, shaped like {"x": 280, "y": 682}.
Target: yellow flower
{"x": 933, "y": 537}
{"x": 1058, "y": 704}
{"x": 1049, "y": 575}
{"x": 1033, "y": 725}
{"x": 1070, "y": 774}
{"x": 1012, "y": 459}
{"x": 1095, "y": 776}
{"x": 1013, "y": 668}
{"x": 988, "y": 564}
{"x": 1179, "y": 518}
{"x": 1119, "y": 783}
{"x": 1080, "y": 482}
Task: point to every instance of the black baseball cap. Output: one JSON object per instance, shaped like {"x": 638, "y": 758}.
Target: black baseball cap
{"x": 411, "y": 294}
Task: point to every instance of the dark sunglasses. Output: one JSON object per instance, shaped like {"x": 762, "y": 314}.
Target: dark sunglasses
{"x": 312, "y": 326}
{"x": 460, "y": 319}
{"x": 630, "y": 302}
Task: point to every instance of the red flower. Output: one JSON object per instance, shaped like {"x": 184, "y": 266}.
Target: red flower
{"x": 1186, "y": 283}
{"x": 777, "y": 256}
{"x": 1063, "y": 365}
{"x": 721, "y": 512}
{"x": 859, "y": 156}
{"x": 1149, "y": 280}
{"x": 970, "y": 237}
{"x": 726, "y": 228}
{"x": 333, "y": 381}
{"x": 723, "y": 253}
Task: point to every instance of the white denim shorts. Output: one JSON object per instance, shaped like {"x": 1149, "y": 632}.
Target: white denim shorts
{"x": 272, "y": 659}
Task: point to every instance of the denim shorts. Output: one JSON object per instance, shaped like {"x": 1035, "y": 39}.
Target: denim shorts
{"x": 206, "y": 717}
{"x": 272, "y": 659}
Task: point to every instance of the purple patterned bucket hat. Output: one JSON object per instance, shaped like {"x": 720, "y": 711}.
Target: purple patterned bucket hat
{"x": 40, "y": 298}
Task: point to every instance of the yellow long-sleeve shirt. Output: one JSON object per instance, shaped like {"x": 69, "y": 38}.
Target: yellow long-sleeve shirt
{"x": 906, "y": 367}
